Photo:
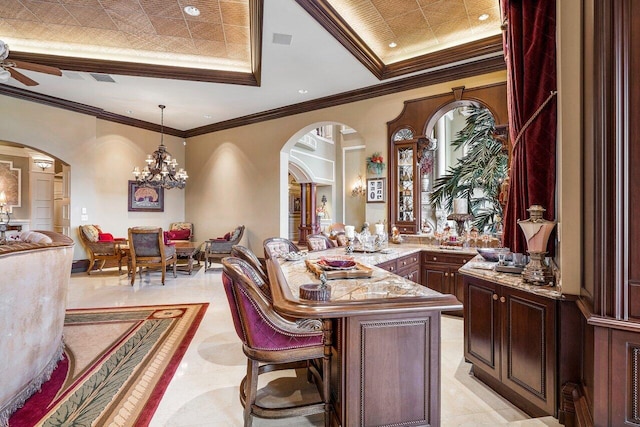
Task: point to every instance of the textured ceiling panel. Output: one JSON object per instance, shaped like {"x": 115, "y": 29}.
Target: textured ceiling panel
{"x": 147, "y": 31}
{"x": 418, "y": 27}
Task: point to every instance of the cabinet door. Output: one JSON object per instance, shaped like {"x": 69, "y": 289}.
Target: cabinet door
{"x": 436, "y": 277}
{"x": 412, "y": 273}
{"x": 482, "y": 335}
{"x": 528, "y": 347}
{"x": 406, "y": 208}
{"x": 457, "y": 284}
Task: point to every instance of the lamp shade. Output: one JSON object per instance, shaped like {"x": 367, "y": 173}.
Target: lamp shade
{"x": 536, "y": 229}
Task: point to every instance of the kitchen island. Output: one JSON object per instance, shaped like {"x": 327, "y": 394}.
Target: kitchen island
{"x": 383, "y": 333}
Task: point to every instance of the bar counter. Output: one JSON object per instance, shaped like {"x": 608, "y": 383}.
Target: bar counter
{"x": 384, "y": 338}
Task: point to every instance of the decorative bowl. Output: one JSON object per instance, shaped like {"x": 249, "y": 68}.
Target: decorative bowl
{"x": 491, "y": 254}
{"x": 337, "y": 263}
{"x": 294, "y": 256}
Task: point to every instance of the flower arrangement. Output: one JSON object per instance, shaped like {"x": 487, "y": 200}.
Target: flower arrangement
{"x": 426, "y": 163}
{"x": 375, "y": 163}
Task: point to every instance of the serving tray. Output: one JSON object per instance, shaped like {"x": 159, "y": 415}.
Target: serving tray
{"x": 359, "y": 271}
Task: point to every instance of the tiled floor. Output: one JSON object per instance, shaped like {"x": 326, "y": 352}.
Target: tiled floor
{"x": 204, "y": 390}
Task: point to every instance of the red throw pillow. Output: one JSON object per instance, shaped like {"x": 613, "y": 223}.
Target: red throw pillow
{"x": 167, "y": 237}
{"x": 227, "y": 236}
{"x": 105, "y": 237}
{"x": 180, "y": 234}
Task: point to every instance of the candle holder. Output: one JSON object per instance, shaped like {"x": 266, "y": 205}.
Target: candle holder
{"x": 349, "y": 248}
{"x": 460, "y": 219}
{"x": 537, "y": 230}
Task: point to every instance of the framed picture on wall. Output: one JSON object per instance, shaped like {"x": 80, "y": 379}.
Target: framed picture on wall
{"x": 376, "y": 190}
{"x": 145, "y": 199}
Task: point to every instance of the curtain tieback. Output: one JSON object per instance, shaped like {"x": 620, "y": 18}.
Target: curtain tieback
{"x": 533, "y": 117}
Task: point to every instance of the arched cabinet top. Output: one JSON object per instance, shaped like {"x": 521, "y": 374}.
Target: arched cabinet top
{"x": 417, "y": 114}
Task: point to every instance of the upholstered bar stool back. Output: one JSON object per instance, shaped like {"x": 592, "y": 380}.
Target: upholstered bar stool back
{"x": 319, "y": 242}
{"x": 276, "y": 246}
{"x": 242, "y": 252}
{"x": 272, "y": 343}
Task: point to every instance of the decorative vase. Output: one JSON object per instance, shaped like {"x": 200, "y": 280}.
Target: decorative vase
{"x": 425, "y": 183}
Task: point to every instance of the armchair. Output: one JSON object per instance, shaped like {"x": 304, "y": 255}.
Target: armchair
{"x": 101, "y": 246}
{"x": 180, "y": 231}
{"x": 218, "y": 248}
{"x": 147, "y": 249}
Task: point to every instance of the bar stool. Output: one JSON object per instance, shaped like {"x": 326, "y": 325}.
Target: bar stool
{"x": 273, "y": 343}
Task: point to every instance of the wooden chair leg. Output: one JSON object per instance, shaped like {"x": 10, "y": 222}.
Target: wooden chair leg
{"x": 164, "y": 268}
{"x": 251, "y": 389}
{"x": 91, "y": 262}
{"x": 133, "y": 273}
{"x": 102, "y": 264}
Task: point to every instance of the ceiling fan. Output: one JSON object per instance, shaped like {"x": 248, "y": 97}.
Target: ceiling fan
{"x": 8, "y": 68}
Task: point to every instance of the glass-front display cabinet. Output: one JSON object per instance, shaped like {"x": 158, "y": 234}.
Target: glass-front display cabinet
{"x": 412, "y": 175}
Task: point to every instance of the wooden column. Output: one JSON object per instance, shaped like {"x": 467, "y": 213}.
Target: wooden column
{"x": 304, "y": 228}
{"x": 314, "y": 225}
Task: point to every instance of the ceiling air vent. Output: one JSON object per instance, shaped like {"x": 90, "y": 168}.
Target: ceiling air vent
{"x": 102, "y": 77}
{"x": 279, "y": 38}
{"x": 72, "y": 75}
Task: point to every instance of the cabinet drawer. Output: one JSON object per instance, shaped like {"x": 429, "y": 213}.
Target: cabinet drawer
{"x": 411, "y": 273}
{"x": 407, "y": 229}
{"x": 408, "y": 261}
{"x": 390, "y": 266}
{"x": 455, "y": 259}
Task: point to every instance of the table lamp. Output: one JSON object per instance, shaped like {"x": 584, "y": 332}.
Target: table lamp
{"x": 537, "y": 230}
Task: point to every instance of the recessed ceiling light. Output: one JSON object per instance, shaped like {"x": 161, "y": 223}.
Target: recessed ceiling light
{"x": 302, "y": 91}
{"x": 192, "y": 11}
{"x": 129, "y": 111}
{"x": 393, "y": 44}
{"x": 483, "y": 17}
{"x": 207, "y": 116}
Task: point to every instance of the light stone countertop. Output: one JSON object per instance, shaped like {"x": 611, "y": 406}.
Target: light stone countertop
{"x": 477, "y": 267}
{"x": 381, "y": 285}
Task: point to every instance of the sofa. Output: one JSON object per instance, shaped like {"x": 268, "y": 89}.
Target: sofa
{"x": 35, "y": 273}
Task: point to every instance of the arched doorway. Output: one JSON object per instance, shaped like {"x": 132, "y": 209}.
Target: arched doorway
{"x": 327, "y": 159}
{"x": 37, "y": 189}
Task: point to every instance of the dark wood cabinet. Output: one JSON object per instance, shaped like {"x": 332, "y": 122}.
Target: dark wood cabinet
{"x": 510, "y": 338}
{"x": 407, "y": 266}
{"x": 440, "y": 272}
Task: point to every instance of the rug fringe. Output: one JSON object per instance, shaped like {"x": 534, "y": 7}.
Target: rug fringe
{"x": 34, "y": 386}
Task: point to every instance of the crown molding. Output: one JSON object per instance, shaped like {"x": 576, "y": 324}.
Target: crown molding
{"x": 77, "y": 107}
{"x": 481, "y": 66}
{"x": 469, "y": 69}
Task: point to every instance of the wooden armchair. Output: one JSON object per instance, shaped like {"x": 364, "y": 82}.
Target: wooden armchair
{"x": 216, "y": 249}
{"x": 101, "y": 250}
{"x": 147, "y": 249}
{"x": 180, "y": 231}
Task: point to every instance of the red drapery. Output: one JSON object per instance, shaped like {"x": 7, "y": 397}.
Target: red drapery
{"x": 530, "y": 52}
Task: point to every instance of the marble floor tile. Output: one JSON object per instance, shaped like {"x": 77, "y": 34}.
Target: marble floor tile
{"x": 204, "y": 390}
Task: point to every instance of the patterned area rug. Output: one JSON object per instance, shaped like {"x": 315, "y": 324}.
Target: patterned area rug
{"x": 117, "y": 365}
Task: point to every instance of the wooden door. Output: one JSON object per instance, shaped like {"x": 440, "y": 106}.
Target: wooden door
{"x": 41, "y": 190}
{"x": 482, "y": 334}
{"x": 528, "y": 347}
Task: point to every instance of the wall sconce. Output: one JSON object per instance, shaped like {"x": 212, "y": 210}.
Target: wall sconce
{"x": 43, "y": 163}
{"x": 359, "y": 190}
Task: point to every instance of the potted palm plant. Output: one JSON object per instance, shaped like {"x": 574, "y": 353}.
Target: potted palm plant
{"x": 478, "y": 175}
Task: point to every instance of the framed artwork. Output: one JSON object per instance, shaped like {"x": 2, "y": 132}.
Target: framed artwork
{"x": 11, "y": 184}
{"x": 145, "y": 199}
{"x": 375, "y": 190}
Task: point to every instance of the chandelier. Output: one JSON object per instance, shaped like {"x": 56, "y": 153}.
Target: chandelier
{"x": 161, "y": 170}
